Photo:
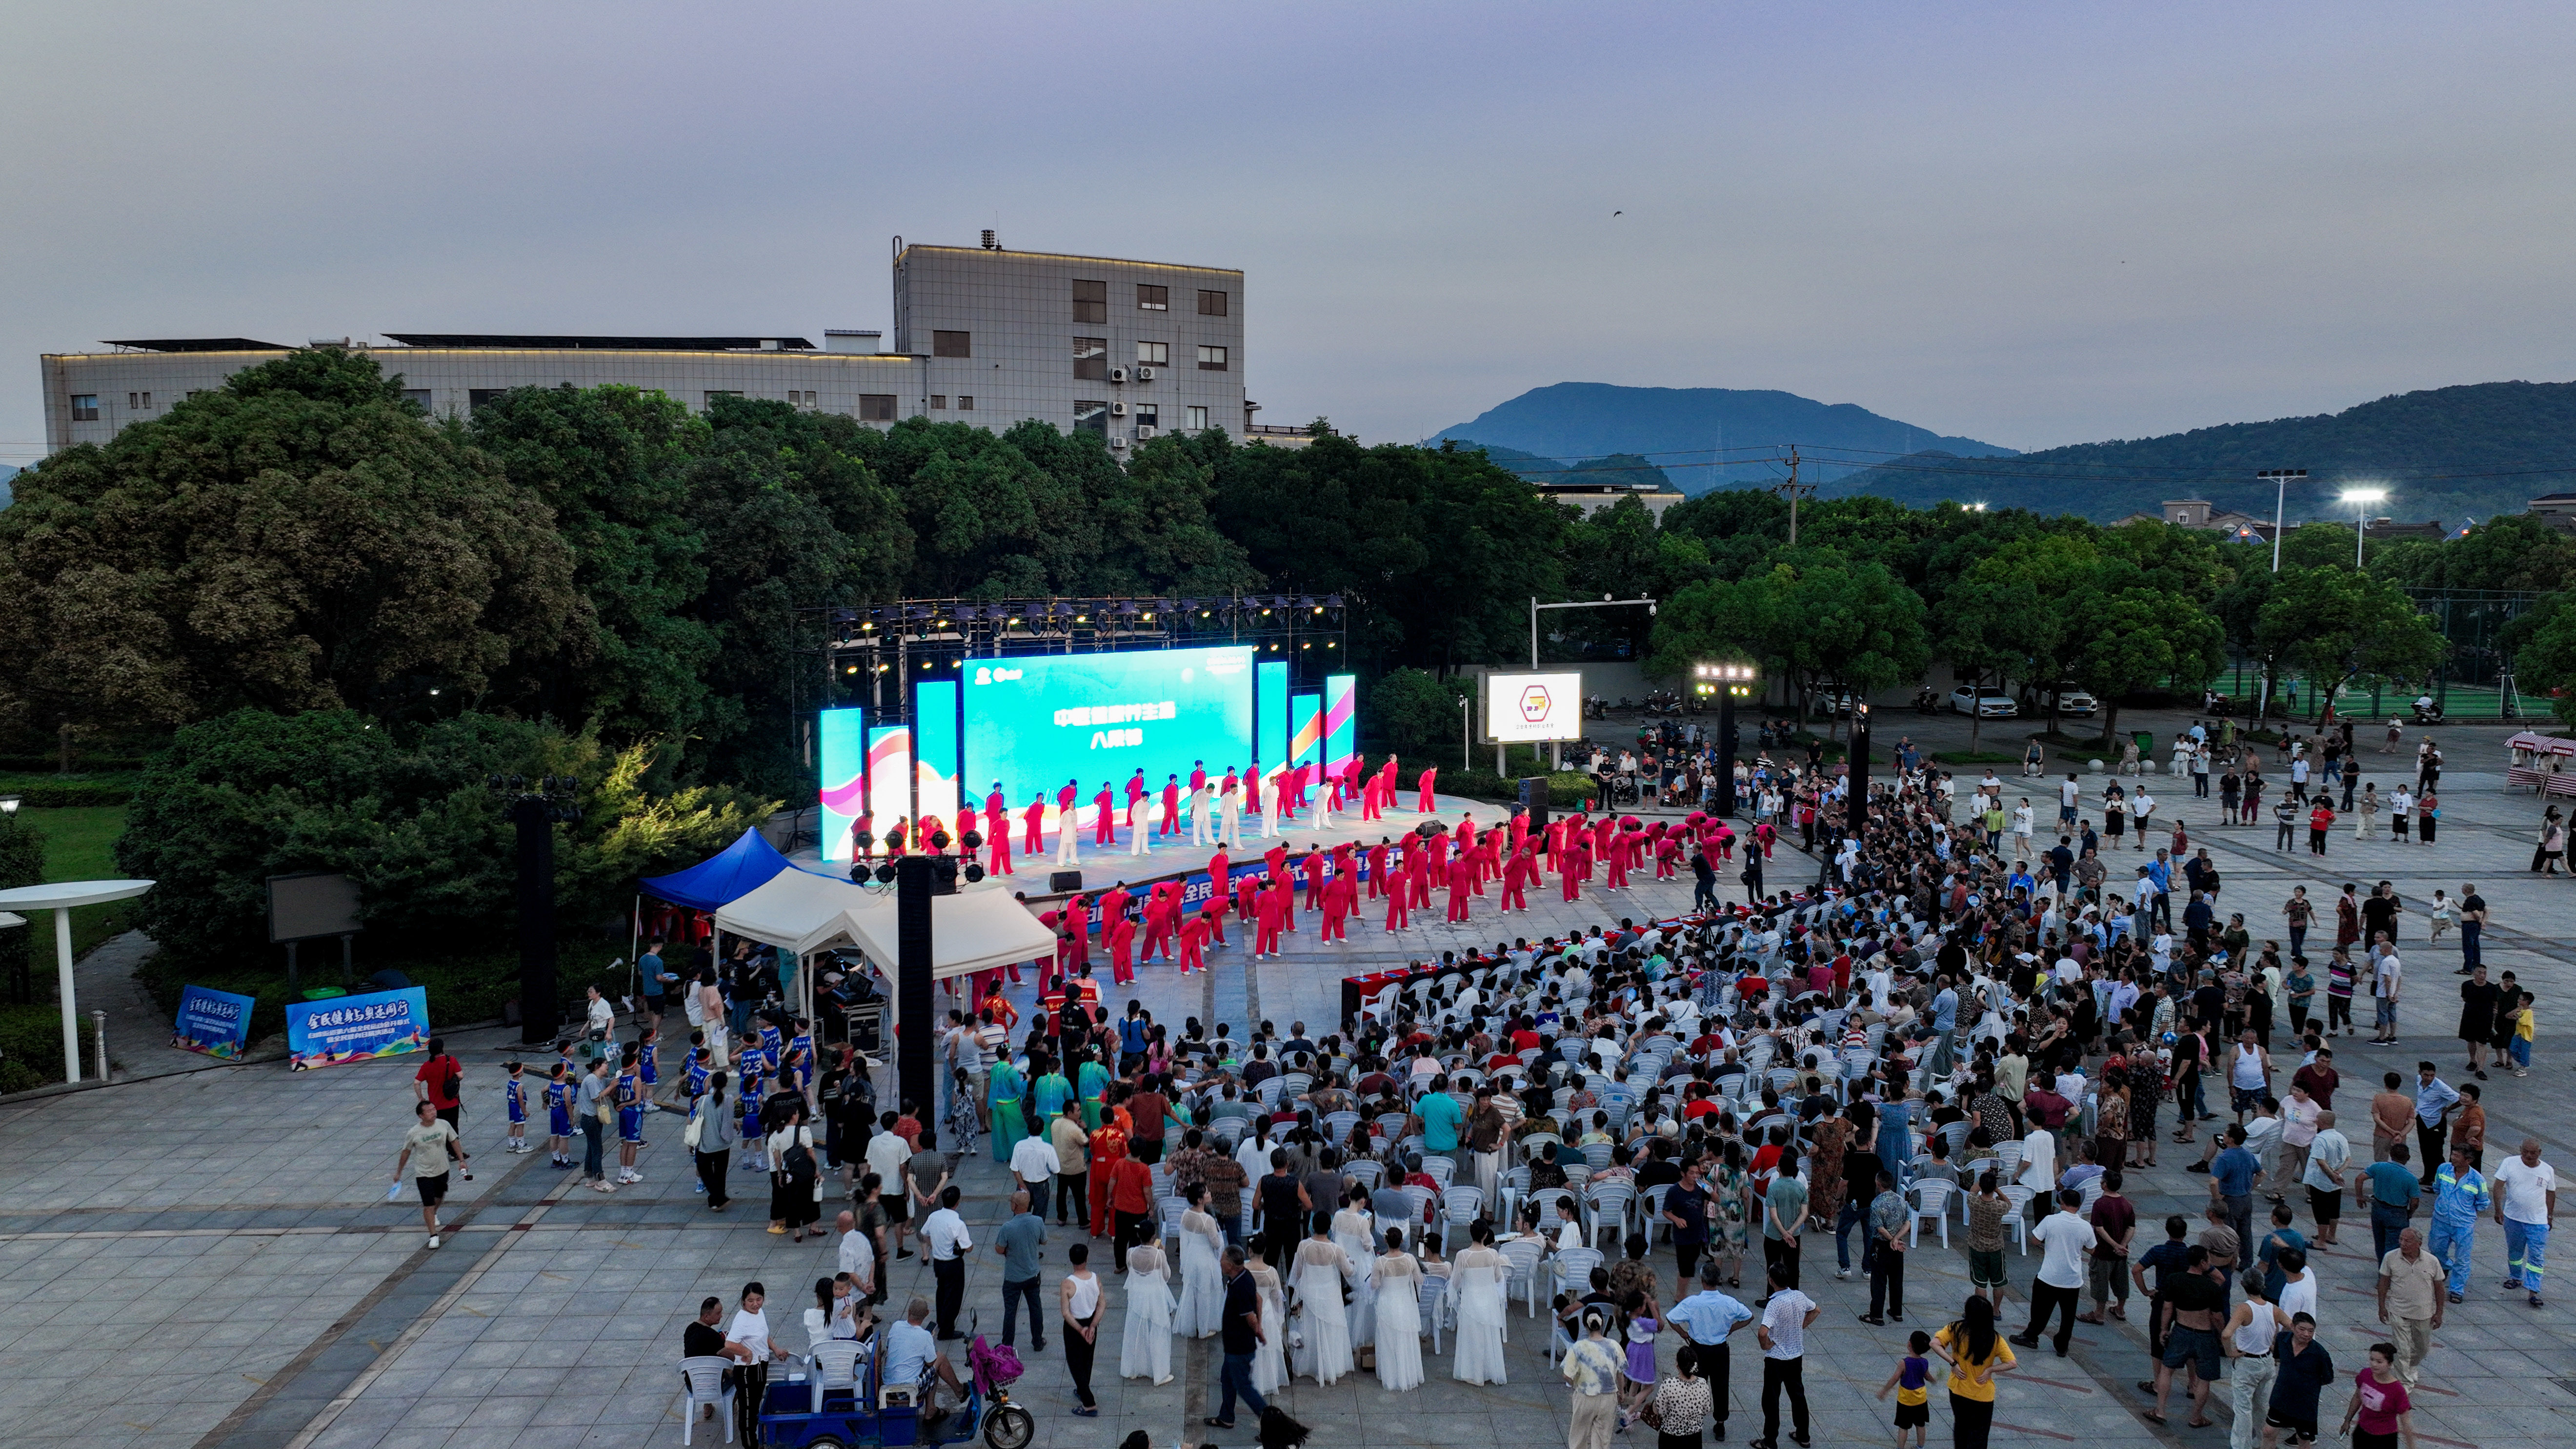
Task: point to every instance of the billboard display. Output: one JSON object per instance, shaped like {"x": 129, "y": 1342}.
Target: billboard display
{"x": 1271, "y": 743}
{"x": 1038, "y": 720}
{"x": 842, "y": 744}
{"x": 1306, "y": 729}
{"x": 1341, "y": 723}
{"x": 934, "y": 713}
{"x": 890, "y": 775}
{"x": 1524, "y": 709}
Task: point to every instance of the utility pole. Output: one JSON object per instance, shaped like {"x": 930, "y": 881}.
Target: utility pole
{"x": 1794, "y": 490}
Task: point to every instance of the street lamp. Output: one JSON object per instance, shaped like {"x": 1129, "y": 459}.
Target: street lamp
{"x": 535, "y": 811}
{"x": 2362, "y": 499}
{"x": 2281, "y": 478}
{"x": 1728, "y": 683}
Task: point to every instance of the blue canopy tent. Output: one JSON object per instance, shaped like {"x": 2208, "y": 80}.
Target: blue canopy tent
{"x": 727, "y": 876}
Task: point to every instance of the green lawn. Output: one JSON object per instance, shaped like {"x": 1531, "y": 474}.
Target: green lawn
{"x": 80, "y": 844}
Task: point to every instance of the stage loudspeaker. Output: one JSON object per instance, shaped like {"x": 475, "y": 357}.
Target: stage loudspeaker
{"x": 1534, "y": 799}
{"x": 1064, "y": 882}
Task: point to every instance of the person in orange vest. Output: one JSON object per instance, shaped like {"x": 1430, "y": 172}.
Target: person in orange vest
{"x": 1462, "y": 883}
{"x": 1337, "y": 904}
{"x": 1108, "y": 1149}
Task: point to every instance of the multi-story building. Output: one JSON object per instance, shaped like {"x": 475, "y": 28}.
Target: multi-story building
{"x": 981, "y": 335}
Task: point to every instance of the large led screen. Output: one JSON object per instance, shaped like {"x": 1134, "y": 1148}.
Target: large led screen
{"x": 1036, "y": 721}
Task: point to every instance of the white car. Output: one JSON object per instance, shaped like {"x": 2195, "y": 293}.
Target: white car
{"x": 1987, "y": 703}
{"x": 2071, "y": 700}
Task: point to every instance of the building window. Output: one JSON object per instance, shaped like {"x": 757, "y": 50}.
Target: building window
{"x": 1148, "y": 415}
{"x": 1091, "y": 358}
{"x": 418, "y": 397}
{"x": 1091, "y": 301}
{"x": 966, "y": 402}
{"x": 1092, "y": 417}
{"x": 939, "y": 402}
{"x": 137, "y": 401}
{"x": 1198, "y": 419}
{"x": 476, "y": 397}
{"x": 1154, "y": 352}
{"x": 952, "y": 344}
{"x": 876, "y": 407}
{"x": 84, "y": 407}
{"x": 1211, "y": 304}
{"x": 1211, "y": 359}
{"x": 1153, "y": 299}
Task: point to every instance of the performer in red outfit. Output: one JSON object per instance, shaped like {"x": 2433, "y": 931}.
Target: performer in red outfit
{"x": 1122, "y": 941}
{"x": 1462, "y": 883}
{"x": 1312, "y": 867}
{"x": 1273, "y": 908}
{"x": 1423, "y": 805}
{"x": 1033, "y": 822}
{"x": 1368, "y": 795}
{"x": 1247, "y": 895}
{"x": 1617, "y": 859}
{"x": 1516, "y": 874}
{"x": 1398, "y": 914}
{"x": 1172, "y": 806}
{"x": 1194, "y": 937}
{"x": 1377, "y": 869}
{"x": 1135, "y": 796}
{"x": 1212, "y": 915}
{"x": 1337, "y": 904}
{"x": 1572, "y": 871}
{"x": 1104, "y": 821}
{"x": 1417, "y": 873}
{"x": 1113, "y": 906}
{"x": 1158, "y": 921}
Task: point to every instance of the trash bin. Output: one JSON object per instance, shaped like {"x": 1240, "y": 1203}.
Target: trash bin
{"x": 2146, "y": 743}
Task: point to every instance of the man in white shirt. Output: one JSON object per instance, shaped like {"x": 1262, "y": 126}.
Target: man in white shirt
{"x": 944, "y": 1234}
{"x": 2387, "y": 978}
{"x": 2298, "y": 1284}
{"x": 2526, "y": 1198}
{"x": 2328, "y": 1151}
{"x": 2066, "y": 1239}
{"x": 1784, "y": 1359}
{"x": 1034, "y": 1163}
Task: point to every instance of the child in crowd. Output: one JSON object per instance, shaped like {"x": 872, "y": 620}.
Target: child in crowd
{"x": 1912, "y": 1382}
{"x": 514, "y": 1097}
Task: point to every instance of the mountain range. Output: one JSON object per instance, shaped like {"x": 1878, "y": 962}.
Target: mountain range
{"x": 2449, "y": 454}
{"x": 1703, "y": 437}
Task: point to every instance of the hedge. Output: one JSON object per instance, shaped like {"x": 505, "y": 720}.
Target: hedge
{"x": 70, "y": 793}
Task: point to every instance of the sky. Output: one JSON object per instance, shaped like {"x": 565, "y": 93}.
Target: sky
{"x": 2031, "y": 224}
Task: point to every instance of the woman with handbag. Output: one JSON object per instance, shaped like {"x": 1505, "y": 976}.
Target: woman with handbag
{"x": 795, "y": 1186}
{"x": 711, "y": 1136}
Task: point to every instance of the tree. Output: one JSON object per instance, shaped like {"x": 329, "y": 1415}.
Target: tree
{"x": 612, "y": 462}
{"x": 300, "y": 538}
{"x": 2543, "y": 644}
{"x": 2516, "y": 553}
{"x": 2340, "y": 627}
{"x": 252, "y": 794}
{"x": 1814, "y": 616}
{"x": 22, "y": 863}
{"x": 1413, "y": 712}
{"x": 2139, "y": 638}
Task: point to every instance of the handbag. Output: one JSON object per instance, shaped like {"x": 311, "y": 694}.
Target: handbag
{"x": 1652, "y": 1416}
{"x": 691, "y": 1134}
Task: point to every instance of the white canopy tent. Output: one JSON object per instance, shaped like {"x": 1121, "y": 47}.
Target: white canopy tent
{"x": 801, "y": 913}
{"x": 795, "y": 910}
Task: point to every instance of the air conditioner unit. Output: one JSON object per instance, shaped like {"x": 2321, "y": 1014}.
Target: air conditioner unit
{"x": 1144, "y": 431}
{"x": 1117, "y": 374}
{"x": 1118, "y": 440}
{"x": 1118, "y": 410}
{"x": 1144, "y": 374}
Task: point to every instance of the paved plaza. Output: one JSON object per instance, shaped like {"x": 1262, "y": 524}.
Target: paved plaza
{"x": 207, "y": 1259}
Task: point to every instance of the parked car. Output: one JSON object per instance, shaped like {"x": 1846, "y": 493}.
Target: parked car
{"x": 1986, "y": 703}
{"x": 1834, "y": 699}
{"x": 2076, "y": 701}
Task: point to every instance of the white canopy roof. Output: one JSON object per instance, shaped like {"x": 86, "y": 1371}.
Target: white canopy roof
{"x": 974, "y": 931}
{"x": 796, "y": 911}
{"x": 71, "y": 893}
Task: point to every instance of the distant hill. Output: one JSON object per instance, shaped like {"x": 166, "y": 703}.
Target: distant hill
{"x": 1677, "y": 427}
{"x": 1621, "y": 468}
{"x": 2447, "y": 453}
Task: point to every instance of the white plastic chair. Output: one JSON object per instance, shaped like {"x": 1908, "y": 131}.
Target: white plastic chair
{"x": 835, "y": 1365}
{"x": 1611, "y": 1204}
{"x": 1367, "y": 1170}
{"x": 1524, "y": 1255}
{"x": 2014, "y": 1217}
{"x": 1440, "y": 1170}
{"x": 1935, "y": 1206}
{"x": 1435, "y": 1308}
{"x": 1651, "y": 1208}
{"x": 1574, "y": 1270}
{"x": 705, "y": 1385}
{"x": 1461, "y": 1204}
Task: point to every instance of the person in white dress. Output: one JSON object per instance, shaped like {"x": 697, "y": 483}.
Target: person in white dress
{"x": 1396, "y": 1284}
{"x": 1202, "y": 1306}
{"x": 1355, "y": 1232}
{"x": 1270, "y": 1359}
{"x": 1476, "y": 1293}
{"x": 1322, "y": 1336}
{"x": 1147, "y": 1353}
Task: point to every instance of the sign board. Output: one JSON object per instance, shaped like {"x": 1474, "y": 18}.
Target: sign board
{"x": 1524, "y": 709}
{"x": 342, "y": 1029}
{"x": 310, "y": 904}
{"x": 214, "y": 1022}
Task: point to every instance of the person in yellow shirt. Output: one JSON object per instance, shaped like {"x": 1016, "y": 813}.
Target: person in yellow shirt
{"x": 2526, "y": 1026}
{"x": 1975, "y": 1353}
{"x": 1912, "y": 1382}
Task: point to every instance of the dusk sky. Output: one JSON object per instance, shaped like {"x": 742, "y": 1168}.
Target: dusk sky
{"x": 2032, "y": 224}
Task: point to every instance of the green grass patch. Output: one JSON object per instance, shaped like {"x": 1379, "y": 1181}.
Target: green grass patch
{"x": 80, "y": 844}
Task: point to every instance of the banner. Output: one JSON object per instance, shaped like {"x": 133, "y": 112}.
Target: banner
{"x": 214, "y": 1022}
{"x": 1305, "y": 729}
{"x": 844, "y": 783}
{"x": 340, "y": 1029}
{"x": 1525, "y": 708}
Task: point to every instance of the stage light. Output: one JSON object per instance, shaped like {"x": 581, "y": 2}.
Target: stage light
{"x": 850, "y": 669}
{"x": 1082, "y": 618}
{"x": 1149, "y": 615}
{"x": 885, "y": 873}
{"x": 956, "y": 663}
{"x": 1307, "y": 645}
{"x": 863, "y": 628}
{"x": 1332, "y": 643}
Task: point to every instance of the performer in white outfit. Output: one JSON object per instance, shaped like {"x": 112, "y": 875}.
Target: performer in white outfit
{"x": 1323, "y": 799}
{"x": 1323, "y": 1331}
{"x": 1068, "y": 835}
{"x": 1476, "y": 1296}
{"x": 1202, "y": 1308}
{"x": 1396, "y": 1286}
{"x": 1148, "y": 1350}
{"x": 1198, "y": 802}
{"x": 1355, "y": 1232}
{"x": 1270, "y": 1359}
{"x": 1271, "y": 790}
